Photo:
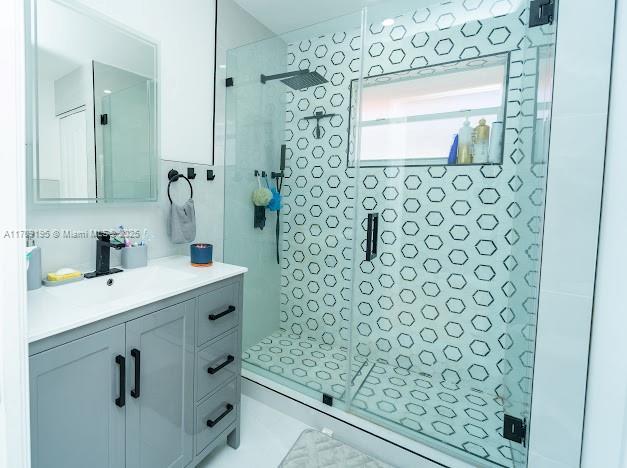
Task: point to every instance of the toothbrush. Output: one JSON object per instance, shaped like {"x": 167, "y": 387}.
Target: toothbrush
{"x": 127, "y": 242}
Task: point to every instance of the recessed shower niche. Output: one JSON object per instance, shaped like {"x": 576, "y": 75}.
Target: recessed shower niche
{"x": 451, "y": 113}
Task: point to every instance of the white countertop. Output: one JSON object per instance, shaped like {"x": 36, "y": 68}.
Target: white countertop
{"x": 53, "y": 310}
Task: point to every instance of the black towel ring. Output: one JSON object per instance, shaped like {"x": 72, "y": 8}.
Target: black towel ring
{"x": 174, "y": 176}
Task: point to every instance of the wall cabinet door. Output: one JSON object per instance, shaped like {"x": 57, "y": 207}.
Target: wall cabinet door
{"x": 159, "y": 410}
{"x": 75, "y": 421}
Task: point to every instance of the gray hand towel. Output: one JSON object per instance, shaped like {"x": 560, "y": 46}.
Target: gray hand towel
{"x": 182, "y": 224}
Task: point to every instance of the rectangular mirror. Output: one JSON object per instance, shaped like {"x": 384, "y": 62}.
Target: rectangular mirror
{"x": 95, "y": 108}
{"x": 412, "y": 117}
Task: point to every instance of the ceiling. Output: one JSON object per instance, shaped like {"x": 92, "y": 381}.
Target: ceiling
{"x": 281, "y": 16}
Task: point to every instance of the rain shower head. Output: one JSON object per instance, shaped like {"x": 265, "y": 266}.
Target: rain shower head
{"x": 300, "y": 79}
{"x": 306, "y": 80}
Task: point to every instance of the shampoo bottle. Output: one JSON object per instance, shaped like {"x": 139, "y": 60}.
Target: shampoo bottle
{"x": 496, "y": 143}
{"x": 481, "y": 153}
{"x": 464, "y": 147}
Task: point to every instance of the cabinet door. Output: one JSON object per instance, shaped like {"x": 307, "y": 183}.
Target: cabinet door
{"x": 75, "y": 421}
{"x": 159, "y": 413}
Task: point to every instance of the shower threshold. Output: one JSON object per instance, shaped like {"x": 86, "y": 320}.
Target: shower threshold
{"x": 412, "y": 404}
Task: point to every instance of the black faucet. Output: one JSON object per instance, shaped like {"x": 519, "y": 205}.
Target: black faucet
{"x": 103, "y": 248}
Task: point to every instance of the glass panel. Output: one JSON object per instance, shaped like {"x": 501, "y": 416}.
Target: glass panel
{"x": 445, "y": 283}
{"x": 528, "y": 134}
{"x": 125, "y": 138}
{"x": 285, "y": 119}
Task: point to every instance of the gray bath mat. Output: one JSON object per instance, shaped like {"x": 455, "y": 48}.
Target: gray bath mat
{"x": 314, "y": 449}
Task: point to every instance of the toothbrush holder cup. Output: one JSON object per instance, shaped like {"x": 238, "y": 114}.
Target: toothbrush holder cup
{"x": 134, "y": 257}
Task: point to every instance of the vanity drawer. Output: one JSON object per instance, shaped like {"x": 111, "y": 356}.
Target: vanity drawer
{"x": 218, "y": 312}
{"x": 220, "y": 409}
{"x": 222, "y": 358}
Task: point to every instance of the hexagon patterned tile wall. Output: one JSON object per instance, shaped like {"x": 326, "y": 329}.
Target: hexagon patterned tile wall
{"x": 440, "y": 326}
{"x": 454, "y": 286}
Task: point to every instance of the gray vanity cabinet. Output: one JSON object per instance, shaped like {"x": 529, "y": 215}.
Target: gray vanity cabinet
{"x": 154, "y": 387}
{"x": 75, "y": 421}
{"x": 160, "y": 410}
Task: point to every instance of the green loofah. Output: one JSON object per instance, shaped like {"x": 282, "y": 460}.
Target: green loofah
{"x": 262, "y": 196}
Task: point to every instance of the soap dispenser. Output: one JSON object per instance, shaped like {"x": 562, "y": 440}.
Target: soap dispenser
{"x": 33, "y": 274}
{"x": 464, "y": 147}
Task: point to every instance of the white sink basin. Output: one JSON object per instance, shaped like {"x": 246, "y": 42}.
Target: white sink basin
{"x": 120, "y": 286}
{"x": 53, "y": 310}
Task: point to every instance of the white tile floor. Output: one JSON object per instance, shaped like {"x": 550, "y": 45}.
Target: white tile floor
{"x": 267, "y": 435}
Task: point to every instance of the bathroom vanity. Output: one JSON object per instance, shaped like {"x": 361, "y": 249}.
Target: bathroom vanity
{"x": 137, "y": 369}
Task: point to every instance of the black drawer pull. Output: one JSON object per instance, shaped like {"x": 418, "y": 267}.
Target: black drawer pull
{"x": 222, "y": 314}
{"x": 137, "y": 356}
{"x": 120, "y": 361}
{"x": 229, "y": 408}
{"x": 229, "y": 360}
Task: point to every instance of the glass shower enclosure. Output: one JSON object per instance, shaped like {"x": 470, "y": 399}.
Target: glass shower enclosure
{"x": 398, "y": 279}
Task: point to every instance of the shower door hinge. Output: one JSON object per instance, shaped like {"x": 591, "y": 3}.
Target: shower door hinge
{"x": 327, "y": 399}
{"x": 230, "y": 82}
{"x": 541, "y": 12}
{"x": 515, "y": 429}
{"x": 104, "y": 119}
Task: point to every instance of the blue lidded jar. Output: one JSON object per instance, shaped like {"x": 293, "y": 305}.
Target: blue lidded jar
{"x": 201, "y": 254}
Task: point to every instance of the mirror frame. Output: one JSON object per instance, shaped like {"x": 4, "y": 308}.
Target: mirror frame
{"x": 32, "y": 103}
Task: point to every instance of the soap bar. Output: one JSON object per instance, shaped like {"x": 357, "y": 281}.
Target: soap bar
{"x": 63, "y": 276}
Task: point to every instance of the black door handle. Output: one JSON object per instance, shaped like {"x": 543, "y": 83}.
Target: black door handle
{"x": 372, "y": 236}
{"x": 222, "y": 314}
{"x": 211, "y": 423}
{"x": 375, "y": 234}
{"x": 137, "y": 357}
{"x": 229, "y": 359}
{"x": 120, "y": 361}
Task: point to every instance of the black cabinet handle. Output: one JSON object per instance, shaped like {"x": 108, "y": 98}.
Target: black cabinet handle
{"x": 229, "y": 408}
{"x": 372, "y": 236}
{"x": 137, "y": 357}
{"x": 229, "y": 359}
{"x": 222, "y": 314}
{"x": 120, "y": 361}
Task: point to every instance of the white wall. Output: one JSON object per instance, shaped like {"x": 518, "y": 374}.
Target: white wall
{"x": 14, "y": 423}
{"x": 185, "y": 33}
{"x": 81, "y": 253}
{"x": 605, "y": 433}
{"x": 571, "y": 229}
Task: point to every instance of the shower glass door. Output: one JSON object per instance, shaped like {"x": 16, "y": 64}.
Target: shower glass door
{"x": 529, "y": 122}
{"x": 448, "y": 230}
{"x": 286, "y": 121}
